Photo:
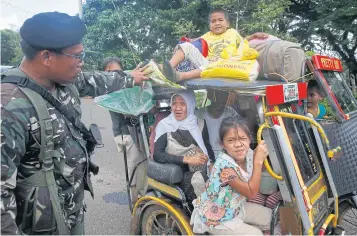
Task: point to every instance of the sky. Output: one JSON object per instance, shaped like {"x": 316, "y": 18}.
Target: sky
{"x": 13, "y": 13}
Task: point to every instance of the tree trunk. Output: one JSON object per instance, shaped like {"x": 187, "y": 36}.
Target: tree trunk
{"x": 353, "y": 82}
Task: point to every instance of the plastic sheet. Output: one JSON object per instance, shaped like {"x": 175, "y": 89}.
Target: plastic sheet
{"x": 130, "y": 101}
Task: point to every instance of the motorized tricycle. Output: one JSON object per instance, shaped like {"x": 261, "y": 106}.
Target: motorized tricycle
{"x": 302, "y": 158}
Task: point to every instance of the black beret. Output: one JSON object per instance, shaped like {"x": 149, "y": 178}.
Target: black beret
{"x": 53, "y": 30}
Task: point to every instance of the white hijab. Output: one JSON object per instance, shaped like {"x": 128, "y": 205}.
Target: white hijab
{"x": 190, "y": 123}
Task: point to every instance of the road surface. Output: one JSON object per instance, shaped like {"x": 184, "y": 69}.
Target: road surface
{"x": 109, "y": 212}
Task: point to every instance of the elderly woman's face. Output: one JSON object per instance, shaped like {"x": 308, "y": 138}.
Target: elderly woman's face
{"x": 179, "y": 108}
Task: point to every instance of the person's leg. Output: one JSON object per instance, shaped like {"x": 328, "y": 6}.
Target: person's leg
{"x": 187, "y": 51}
{"x": 239, "y": 228}
{"x": 118, "y": 127}
{"x": 257, "y": 215}
{"x": 273, "y": 199}
{"x": 193, "y": 74}
{"x": 177, "y": 58}
{"x": 133, "y": 154}
{"x": 78, "y": 227}
{"x": 198, "y": 183}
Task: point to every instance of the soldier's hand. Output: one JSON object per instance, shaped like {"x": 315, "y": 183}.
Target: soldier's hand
{"x": 139, "y": 75}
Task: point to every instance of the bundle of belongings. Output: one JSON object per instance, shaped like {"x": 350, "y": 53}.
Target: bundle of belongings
{"x": 279, "y": 60}
{"x": 238, "y": 63}
{"x": 270, "y": 59}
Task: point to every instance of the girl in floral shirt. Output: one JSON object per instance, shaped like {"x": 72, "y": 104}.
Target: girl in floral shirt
{"x": 235, "y": 177}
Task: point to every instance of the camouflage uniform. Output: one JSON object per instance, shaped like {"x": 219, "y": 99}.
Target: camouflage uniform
{"x": 27, "y": 209}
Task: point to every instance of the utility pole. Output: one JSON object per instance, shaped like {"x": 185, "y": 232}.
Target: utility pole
{"x": 80, "y": 9}
{"x": 237, "y": 12}
{"x": 237, "y": 20}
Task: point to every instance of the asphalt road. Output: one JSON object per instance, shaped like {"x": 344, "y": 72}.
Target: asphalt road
{"x": 108, "y": 213}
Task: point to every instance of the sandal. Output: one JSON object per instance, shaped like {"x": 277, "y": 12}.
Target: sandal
{"x": 169, "y": 72}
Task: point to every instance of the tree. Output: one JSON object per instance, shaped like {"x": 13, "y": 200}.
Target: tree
{"x": 10, "y": 48}
{"x": 137, "y": 30}
{"x": 140, "y": 30}
{"x": 326, "y": 26}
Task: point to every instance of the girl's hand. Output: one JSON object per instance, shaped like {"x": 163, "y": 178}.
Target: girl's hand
{"x": 227, "y": 175}
{"x": 260, "y": 153}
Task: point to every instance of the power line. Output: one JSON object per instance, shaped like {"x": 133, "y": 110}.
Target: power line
{"x": 17, "y": 7}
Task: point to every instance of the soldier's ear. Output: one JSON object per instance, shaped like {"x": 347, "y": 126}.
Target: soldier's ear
{"x": 45, "y": 56}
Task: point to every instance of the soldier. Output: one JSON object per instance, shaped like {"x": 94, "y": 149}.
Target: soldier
{"x": 45, "y": 163}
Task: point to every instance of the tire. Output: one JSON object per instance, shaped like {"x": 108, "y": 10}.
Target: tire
{"x": 275, "y": 218}
{"x": 157, "y": 220}
{"x": 348, "y": 218}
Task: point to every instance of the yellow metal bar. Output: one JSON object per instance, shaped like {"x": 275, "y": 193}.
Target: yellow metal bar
{"x": 169, "y": 207}
{"x": 311, "y": 231}
{"x": 330, "y": 152}
{"x": 328, "y": 221}
{"x": 336, "y": 213}
{"x": 293, "y": 158}
{"x": 266, "y": 163}
{"x": 300, "y": 117}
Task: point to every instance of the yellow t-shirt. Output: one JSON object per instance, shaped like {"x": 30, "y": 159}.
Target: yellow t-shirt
{"x": 229, "y": 40}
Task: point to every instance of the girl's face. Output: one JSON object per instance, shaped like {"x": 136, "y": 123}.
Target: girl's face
{"x": 237, "y": 143}
{"x": 179, "y": 108}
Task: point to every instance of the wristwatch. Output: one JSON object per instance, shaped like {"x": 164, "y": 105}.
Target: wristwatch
{"x": 129, "y": 81}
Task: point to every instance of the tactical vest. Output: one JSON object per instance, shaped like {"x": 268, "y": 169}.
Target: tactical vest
{"x": 44, "y": 177}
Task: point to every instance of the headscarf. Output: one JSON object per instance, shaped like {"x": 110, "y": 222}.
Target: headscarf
{"x": 190, "y": 123}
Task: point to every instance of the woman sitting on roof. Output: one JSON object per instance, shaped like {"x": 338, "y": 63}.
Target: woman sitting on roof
{"x": 182, "y": 139}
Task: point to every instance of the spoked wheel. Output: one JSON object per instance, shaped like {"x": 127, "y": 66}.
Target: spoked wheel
{"x": 348, "y": 218}
{"x": 157, "y": 220}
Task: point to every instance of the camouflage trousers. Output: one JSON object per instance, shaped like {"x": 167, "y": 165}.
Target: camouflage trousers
{"x": 75, "y": 220}
{"x": 78, "y": 222}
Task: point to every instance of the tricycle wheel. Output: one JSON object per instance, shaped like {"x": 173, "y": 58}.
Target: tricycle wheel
{"x": 348, "y": 218}
{"x": 157, "y": 220}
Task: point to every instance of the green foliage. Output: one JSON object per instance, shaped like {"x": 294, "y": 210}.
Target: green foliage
{"x": 11, "y": 54}
{"x": 151, "y": 28}
{"x": 326, "y": 26}
{"x": 200, "y": 98}
{"x": 310, "y": 53}
{"x": 329, "y": 111}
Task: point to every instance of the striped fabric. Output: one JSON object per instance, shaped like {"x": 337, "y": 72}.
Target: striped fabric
{"x": 267, "y": 200}
{"x": 273, "y": 200}
{"x": 260, "y": 199}
{"x": 194, "y": 55}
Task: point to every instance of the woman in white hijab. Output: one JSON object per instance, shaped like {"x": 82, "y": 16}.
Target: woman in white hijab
{"x": 182, "y": 139}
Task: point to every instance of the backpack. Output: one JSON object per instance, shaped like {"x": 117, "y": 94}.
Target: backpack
{"x": 278, "y": 56}
{"x": 45, "y": 177}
